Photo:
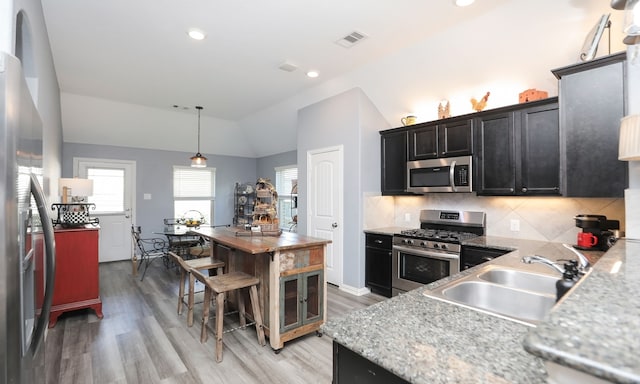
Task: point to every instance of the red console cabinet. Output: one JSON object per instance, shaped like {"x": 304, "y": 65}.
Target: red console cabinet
{"x": 77, "y": 283}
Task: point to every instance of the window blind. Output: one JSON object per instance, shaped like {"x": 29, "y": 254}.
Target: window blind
{"x": 195, "y": 183}
{"x": 285, "y": 178}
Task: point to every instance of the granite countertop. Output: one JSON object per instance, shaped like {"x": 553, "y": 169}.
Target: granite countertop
{"x": 386, "y": 230}
{"x": 596, "y": 328}
{"x": 424, "y": 340}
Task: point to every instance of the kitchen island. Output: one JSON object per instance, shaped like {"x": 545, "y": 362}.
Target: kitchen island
{"x": 422, "y": 340}
{"x": 290, "y": 267}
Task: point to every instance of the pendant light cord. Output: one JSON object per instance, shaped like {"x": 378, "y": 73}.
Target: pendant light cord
{"x": 199, "y": 108}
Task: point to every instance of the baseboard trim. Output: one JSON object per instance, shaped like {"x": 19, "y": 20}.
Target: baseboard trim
{"x": 354, "y": 291}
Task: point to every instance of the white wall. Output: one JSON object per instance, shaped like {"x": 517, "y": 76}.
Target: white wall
{"x": 632, "y": 195}
{"x": 506, "y": 51}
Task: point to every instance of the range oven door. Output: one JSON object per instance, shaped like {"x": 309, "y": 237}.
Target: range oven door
{"x": 413, "y": 268}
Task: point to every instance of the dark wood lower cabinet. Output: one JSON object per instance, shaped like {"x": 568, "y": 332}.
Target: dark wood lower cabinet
{"x": 378, "y": 263}
{"x": 351, "y": 368}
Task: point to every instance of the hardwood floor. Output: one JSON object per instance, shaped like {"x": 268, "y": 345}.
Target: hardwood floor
{"x": 142, "y": 339}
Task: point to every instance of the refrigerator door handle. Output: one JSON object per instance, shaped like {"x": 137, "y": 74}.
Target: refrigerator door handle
{"x": 50, "y": 261}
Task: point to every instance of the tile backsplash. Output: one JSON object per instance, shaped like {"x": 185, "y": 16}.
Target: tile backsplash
{"x": 539, "y": 218}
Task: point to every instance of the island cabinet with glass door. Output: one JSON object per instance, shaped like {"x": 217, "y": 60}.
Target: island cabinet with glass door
{"x": 291, "y": 270}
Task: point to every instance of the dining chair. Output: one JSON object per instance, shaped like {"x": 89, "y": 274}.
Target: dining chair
{"x": 148, "y": 248}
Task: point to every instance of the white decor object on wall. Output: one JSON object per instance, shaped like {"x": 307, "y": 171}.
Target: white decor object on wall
{"x": 629, "y": 146}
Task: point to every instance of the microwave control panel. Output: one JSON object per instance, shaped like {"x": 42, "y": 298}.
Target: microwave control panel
{"x": 462, "y": 175}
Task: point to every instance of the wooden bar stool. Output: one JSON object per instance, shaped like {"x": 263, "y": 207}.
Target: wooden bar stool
{"x": 220, "y": 285}
{"x": 186, "y": 266}
{"x": 200, "y": 251}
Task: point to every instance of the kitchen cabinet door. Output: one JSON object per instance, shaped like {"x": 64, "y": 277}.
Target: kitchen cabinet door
{"x": 423, "y": 142}
{"x": 394, "y": 162}
{"x": 301, "y": 299}
{"x": 592, "y": 102}
{"x": 495, "y": 164}
{"x": 519, "y": 150}
{"x": 539, "y": 138}
{"x": 351, "y": 368}
{"x": 455, "y": 138}
{"x": 378, "y": 263}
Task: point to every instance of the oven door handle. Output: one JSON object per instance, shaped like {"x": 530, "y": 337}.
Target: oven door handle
{"x": 420, "y": 252}
{"x": 452, "y": 179}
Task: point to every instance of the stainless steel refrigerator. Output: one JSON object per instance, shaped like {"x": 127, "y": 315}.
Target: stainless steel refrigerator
{"x": 27, "y": 258}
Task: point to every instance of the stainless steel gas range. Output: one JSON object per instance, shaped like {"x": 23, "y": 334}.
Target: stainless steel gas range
{"x": 432, "y": 252}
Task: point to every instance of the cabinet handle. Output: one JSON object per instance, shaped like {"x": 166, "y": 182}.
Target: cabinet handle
{"x": 378, "y": 241}
{"x": 524, "y": 189}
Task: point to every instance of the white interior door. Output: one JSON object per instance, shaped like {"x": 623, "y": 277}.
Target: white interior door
{"x": 324, "y": 211}
{"x": 113, "y": 192}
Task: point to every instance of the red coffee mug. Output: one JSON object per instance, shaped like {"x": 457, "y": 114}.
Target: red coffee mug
{"x": 587, "y": 239}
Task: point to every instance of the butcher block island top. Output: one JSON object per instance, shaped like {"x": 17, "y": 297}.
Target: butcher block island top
{"x": 291, "y": 269}
{"x": 258, "y": 243}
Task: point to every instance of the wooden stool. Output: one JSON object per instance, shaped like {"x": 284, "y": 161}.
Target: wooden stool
{"x": 220, "y": 285}
{"x": 186, "y": 266}
{"x": 200, "y": 251}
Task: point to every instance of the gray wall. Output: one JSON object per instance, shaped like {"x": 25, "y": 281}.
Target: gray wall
{"x": 267, "y": 165}
{"x": 154, "y": 175}
{"x": 348, "y": 119}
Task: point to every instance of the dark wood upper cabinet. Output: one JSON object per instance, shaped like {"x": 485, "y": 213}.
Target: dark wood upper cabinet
{"x": 455, "y": 137}
{"x": 444, "y": 138}
{"x": 518, "y": 150}
{"x": 495, "y": 164}
{"x": 394, "y": 162}
{"x": 592, "y": 102}
{"x": 423, "y": 142}
{"x": 539, "y": 139}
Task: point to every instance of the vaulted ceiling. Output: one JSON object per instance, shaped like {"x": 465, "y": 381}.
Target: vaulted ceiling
{"x": 123, "y": 65}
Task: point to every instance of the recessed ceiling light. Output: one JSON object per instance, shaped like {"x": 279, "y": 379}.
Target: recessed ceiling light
{"x": 464, "y": 3}
{"x": 196, "y": 34}
{"x": 313, "y": 74}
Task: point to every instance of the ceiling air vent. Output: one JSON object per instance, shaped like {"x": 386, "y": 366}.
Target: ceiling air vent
{"x": 288, "y": 67}
{"x": 351, "y": 39}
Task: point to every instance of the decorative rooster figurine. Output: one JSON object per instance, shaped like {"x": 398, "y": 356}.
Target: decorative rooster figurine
{"x": 479, "y": 105}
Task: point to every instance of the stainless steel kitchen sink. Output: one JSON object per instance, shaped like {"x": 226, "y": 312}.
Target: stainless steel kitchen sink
{"x": 513, "y": 303}
{"x": 514, "y": 278}
{"x": 504, "y": 292}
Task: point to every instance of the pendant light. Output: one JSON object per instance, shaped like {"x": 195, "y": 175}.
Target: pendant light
{"x": 198, "y": 161}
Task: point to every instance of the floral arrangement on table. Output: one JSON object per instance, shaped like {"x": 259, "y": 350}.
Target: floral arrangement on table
{"x": 191, "y": 218}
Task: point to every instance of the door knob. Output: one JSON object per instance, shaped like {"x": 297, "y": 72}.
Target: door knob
{"x": 334, "y": 225}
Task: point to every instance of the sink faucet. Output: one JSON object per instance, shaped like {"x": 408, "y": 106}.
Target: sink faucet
{"x": 542, "y": 260}
{"x": 583, "y": 262}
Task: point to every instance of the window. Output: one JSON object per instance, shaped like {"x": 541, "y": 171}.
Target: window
{"x": 108, "y": 189}
{"x": 194, "y": 192}
{"x": 286, "y": 179}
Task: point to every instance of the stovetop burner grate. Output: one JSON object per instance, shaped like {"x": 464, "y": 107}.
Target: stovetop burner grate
{"x": 438, "y": 235}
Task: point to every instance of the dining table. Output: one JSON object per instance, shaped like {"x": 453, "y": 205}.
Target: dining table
{"x": 180, "y": 239}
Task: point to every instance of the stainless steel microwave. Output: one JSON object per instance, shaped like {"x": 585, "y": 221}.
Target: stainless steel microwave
{"x": 447, "y": 174}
